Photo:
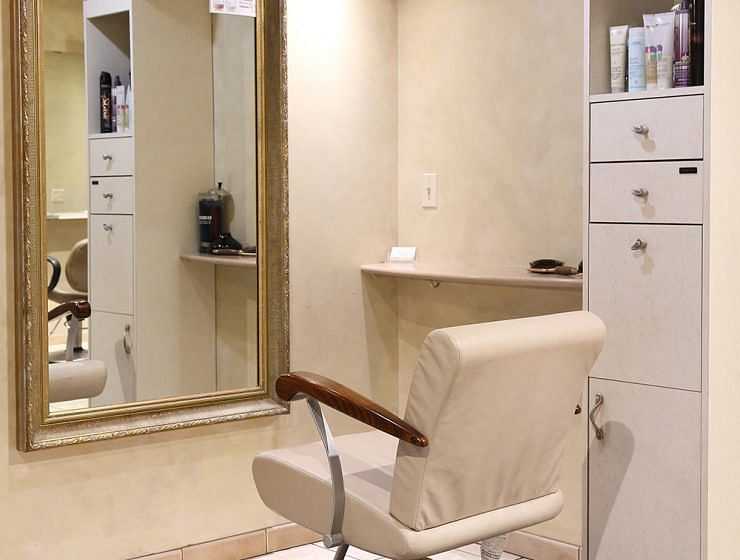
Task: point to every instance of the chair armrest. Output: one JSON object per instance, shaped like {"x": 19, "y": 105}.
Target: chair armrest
{"x": 335, "y": 395}
{"x": 79, "y": 309}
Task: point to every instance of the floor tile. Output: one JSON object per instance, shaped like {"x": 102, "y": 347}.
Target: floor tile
{"x": 305, "y": 552}
{"x": 468, "y": 552}
{"x": 233, "y": 548}
{"x": 289, "y": 536}
{"x": 355, "y": 553}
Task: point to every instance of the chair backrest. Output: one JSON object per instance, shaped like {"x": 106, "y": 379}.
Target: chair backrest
{"x": 496, "y": 401}
{"x": 76, "y": 267}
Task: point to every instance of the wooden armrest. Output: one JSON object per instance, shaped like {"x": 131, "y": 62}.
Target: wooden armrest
{"x": 79, "y": 309}
{"x": 345, "y": 400}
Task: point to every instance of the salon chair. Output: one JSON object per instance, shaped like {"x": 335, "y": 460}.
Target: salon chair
{"x": 476, "y": 457}
{"x": 75, "y": 271}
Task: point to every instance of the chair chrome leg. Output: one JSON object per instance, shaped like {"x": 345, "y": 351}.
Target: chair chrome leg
{"x": 493, "y": 549}
{"x": 341, "y": 552}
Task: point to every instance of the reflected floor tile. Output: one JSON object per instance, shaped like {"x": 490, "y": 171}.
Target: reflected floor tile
{"x": 305, "y": 552}
{"x": 468, "y": 553}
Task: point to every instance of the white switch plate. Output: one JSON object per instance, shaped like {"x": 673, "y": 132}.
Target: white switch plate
{"x": 57, "y": 195}
{"x": 430, "y": 192}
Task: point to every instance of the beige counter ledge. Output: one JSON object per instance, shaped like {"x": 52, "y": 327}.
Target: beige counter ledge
{"x": 239, "y": 261}
{"x": 492, "y": 276}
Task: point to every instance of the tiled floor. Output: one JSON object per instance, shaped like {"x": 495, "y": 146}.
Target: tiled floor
{"x": 318, "y": 552}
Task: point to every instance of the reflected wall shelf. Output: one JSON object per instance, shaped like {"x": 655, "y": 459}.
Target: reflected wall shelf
{"x": 242, "y": 262}
{"x": 67, "y": 216}
{"x": 494, "y": 276}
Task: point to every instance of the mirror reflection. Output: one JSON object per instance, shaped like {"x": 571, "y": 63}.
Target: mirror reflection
{"x": 150, "y": 130}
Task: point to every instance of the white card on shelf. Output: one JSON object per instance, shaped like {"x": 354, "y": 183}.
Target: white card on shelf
{"x": 402, "y": 254}
{"x": 234, "y": 7}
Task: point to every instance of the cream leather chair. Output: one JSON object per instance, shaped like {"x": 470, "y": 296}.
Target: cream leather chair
{"x": 479, "y": 452}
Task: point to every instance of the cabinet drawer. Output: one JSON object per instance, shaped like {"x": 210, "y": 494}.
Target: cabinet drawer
{"x": 111, "y": 156}
{"x": 112, "y": 195}
{"x": 112, "y": 340}
{"x": 674, "y": 129}
{"x": 645, "y": 475}
{"x": 650, "y": 301}
{"x": 655, "y": 192}
{"x": 111, "y": 264}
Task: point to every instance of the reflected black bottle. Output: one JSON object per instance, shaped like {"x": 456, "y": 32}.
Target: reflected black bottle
{"x": 106, "y": 103}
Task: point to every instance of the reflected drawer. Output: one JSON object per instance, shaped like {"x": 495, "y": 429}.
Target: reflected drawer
{"x": 112, "y": 195}
{"x": 648, "y": 129}
{"x": 111, "y": 156}
{"x": 111, "y": 263}
{"x": 650, "y": 300}
{"x": 655, "y": 192}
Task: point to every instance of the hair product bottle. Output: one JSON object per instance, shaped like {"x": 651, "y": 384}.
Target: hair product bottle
{"x": 106, "y": 103}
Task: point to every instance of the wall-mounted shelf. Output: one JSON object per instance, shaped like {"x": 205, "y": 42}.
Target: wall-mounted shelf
{"x": 100, "y": 136}
{"x": 652, "y": 94}
{"x": 67, "y": 216}
{"x": 242, "y": 262}
{"x": 493, "y": 276}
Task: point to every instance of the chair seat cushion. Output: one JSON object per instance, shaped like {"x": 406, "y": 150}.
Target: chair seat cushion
{"x": 296, "y": 483}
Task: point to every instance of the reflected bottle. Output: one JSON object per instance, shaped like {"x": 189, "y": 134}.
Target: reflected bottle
{"x": 106, "y": 103}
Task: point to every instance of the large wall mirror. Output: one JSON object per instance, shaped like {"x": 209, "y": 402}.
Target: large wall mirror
{"x": 151, "y": 215}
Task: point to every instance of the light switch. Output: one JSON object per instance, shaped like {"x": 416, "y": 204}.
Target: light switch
{"x": 430, "y": 193}
{"x": 57, "y": 196}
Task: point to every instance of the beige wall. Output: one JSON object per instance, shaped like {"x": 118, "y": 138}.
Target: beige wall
{"x": 490, "y": 100}
{"x": 121, "y": 499}
{"x": 724, "y": 303}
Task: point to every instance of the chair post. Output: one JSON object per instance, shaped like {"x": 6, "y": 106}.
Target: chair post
{"x": 335, "y": 537}
{"x": 493, "y": 549}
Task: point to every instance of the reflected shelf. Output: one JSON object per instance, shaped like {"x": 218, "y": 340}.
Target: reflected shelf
{"x": 243, "y": 262}
{"x": 494, "y": 276}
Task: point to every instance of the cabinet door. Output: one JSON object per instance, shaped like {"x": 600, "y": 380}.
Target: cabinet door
{"x": 645, "y": 475}
{"x": 112, "y": 341}
{"x": 111, "y": 263}
{"x": 650, "y": 301}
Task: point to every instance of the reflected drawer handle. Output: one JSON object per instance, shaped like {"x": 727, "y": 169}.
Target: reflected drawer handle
{"x": 108, "y": 195}
{"x": 107, "y": 157}
{"x": 641, "y": 129}
{"x": 592, "y": 416}
{"x": 640, "y": 193}
{"x": 107, "y": 227}
{"x": 639, "y": 245}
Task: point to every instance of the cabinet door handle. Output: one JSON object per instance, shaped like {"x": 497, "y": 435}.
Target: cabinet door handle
{"x": 639, "y": 245}
{"x": 107, "y": 227}
{"x": 107, "y": 157}
{"x": 108, "y": 195}
{"x": 640, "y": 193}
{"x": 641, "y": 129}
{"x": 128, "y": 346}
{"x": 598, "y": 402}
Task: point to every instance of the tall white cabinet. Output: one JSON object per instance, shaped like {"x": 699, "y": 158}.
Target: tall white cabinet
{"x": 662, "y": 233}
{"x": 154, "y": 317}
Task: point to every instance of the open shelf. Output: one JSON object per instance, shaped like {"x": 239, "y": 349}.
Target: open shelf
{"x": 653, "y": 94}
{"x": 607, "y": 13}
{"x": 242, "y": 262}
{"x": 67, "y": 216}
{"x": 518, "y": 277}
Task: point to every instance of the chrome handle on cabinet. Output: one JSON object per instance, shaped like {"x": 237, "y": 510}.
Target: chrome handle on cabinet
{"x": 641, "y": 129}
{"x": 107, "y": 157}
{"x": 639, "y": 245}
{"x": 127, "y": 345}
{"x": 108, "y": 227}
{"x": 640, "y": 193}
{"x": 108, "y": 195}
{"x": 598, "y": 402}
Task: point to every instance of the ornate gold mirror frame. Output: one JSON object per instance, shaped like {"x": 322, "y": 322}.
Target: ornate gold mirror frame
{"x": 37, "y": 429}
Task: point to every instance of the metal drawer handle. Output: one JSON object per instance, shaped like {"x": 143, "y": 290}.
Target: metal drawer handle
{"x": 639, "y": 245}
{"x": 107, "y": 157}
{"x": 108, "y": 195}
{"x": 640, "y": 193}
{"x": 127, "y": 345}
{"x": 598, "y": 402}
{"x": 641, "y": 129}
{"x": 107, "y": 227}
